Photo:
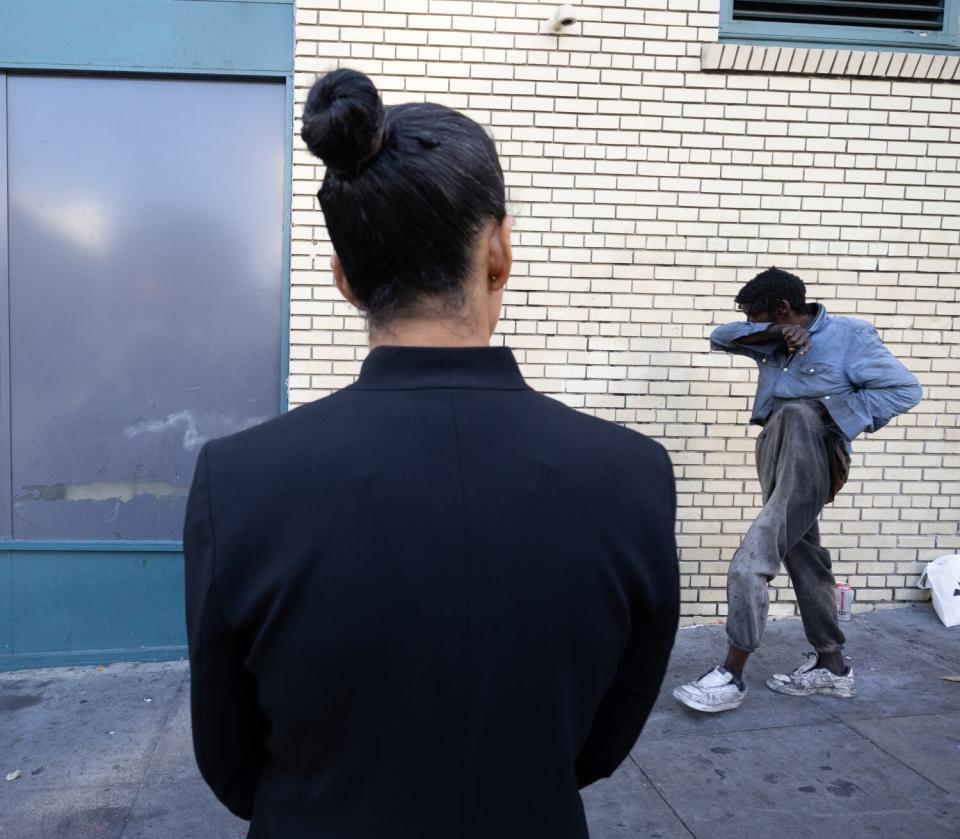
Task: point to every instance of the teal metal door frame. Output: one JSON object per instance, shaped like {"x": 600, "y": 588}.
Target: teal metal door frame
{"x": 6, "y": 483}
{"x": 93, "y": 601}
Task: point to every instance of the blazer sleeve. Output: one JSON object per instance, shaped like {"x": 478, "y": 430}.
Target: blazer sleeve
{"x": 229, "y": 729}
{"x": 625, "y": 707}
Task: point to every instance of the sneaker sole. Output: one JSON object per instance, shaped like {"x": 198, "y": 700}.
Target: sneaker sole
{"x": 786, "y": 690}
{"x": 690, "y": 702}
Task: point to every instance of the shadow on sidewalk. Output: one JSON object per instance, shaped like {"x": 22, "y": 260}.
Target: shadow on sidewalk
{"x": 106, "y": 752}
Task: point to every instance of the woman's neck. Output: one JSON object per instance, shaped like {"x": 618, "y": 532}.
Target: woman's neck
{"x": 429, "y": 332}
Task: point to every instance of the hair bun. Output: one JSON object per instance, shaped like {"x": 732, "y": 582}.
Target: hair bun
{"x": 343, "y": 120}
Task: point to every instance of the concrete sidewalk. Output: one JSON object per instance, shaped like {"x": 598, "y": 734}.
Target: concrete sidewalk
{"x": 105, "y": 752}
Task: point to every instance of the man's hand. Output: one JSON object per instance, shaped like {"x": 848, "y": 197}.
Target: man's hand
{"x": 796, "y": 338}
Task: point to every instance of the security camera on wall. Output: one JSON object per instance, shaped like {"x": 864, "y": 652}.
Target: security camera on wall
{"x": 563, "y": 18}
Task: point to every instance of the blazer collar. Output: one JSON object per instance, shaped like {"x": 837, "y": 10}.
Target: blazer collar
{"x": 428, "y": 368}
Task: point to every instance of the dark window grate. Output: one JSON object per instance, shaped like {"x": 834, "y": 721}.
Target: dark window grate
{"x": 895, "y": 14}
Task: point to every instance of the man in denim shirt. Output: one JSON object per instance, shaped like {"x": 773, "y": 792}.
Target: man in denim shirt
{"x": 823, "y": 381}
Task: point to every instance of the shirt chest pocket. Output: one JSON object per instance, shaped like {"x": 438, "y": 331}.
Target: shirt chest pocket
{"x": 814, "y": 373}
{"x": 806, "y": 378}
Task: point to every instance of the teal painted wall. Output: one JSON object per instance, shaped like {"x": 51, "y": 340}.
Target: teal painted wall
{"x": 93, "y": 603}
{"x": 86, "y": 606}
{"x": 223, "y": 37}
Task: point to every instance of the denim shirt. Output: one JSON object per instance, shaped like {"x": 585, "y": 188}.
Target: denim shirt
{"x": 847, "y": 369}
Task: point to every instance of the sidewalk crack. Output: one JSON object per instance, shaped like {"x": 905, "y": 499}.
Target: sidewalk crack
{"x": 863, "y": 736}
{"x": 660, "y": 795}
{"x": 153, "y": 753}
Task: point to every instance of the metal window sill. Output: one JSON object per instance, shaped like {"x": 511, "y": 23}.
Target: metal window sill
{"x": 92, "y": 545}
{"x": 812, "y": 61}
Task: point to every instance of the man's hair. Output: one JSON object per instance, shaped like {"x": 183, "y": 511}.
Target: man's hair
{"x": 764, "y": 293}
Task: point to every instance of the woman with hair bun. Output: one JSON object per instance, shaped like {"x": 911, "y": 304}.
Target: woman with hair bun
{"x": 434, "y": 604}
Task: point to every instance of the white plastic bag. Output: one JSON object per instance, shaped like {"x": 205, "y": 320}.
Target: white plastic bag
{"x": 942, "y": 577}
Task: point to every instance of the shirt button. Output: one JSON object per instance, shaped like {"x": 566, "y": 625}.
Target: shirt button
{"x": 784, "y": 369}
{"x": 826, "y": 397}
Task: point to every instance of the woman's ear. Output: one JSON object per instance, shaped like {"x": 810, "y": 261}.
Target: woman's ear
{"x": 500, "y": 254}
{"x": 340, "y": 280}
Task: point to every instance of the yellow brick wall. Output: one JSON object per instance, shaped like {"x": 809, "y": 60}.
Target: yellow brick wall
{"x": 645, "y": 193}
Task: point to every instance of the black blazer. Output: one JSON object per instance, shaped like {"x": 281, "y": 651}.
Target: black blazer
{"x": 429, "y": 606}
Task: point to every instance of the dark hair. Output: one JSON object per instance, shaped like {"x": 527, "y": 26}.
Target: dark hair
{"x": 764, "y": 293}
{"x": 407, "y": 191}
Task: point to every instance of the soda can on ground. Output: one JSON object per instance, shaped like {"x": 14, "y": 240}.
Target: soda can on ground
{"x": 844, "y": 601}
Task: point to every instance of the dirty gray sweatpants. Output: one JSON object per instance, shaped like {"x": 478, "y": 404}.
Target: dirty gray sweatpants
{"x": 792, "y": 463}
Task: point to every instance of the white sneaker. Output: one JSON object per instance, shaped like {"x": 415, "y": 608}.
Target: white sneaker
{"x": 714, "y": 691}
{"x": 808, "y": 679}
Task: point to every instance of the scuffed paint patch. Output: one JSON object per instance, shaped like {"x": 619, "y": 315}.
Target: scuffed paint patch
{"x": 192, "y": 440}
{"x": 101, "y": 491}
{"x": 193, "y": 436}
